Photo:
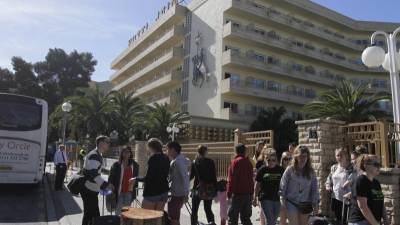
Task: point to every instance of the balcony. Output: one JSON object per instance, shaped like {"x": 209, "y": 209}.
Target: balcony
{"x": 164, "y": 98}
{"x": 275, "y": 42}
{"x": 172, "y": 57}
{"x": 168, "y": 39}
{"x": 264, "y": 15}
{"x": 240, "y": 60}
{"x": 160, "y": 82}
{"x": 228, "y": 114}
{"x": 229, "y": 87}
{"x": 171, "y": 17}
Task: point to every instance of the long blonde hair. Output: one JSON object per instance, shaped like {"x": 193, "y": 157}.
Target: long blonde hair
{"x": 307, "y": 171}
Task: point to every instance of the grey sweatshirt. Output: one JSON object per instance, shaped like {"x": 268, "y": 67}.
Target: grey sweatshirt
{"x": 297, "y": 188}
{"x": 179, "y": 176}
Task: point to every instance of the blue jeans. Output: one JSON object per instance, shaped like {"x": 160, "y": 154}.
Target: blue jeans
{"x": 364, "y": 222}
{"x": 271, "y": 210}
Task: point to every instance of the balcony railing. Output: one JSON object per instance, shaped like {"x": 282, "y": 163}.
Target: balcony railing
{"x": 158, "y": 82}
{"x": 293, "y": 22}
{"x": 238, "y": 115}
{"x": 172, "y": 56}
{"x": 274, "y": 40}
{"x": 268, "y": 91}
{"x": 168, "y": 38}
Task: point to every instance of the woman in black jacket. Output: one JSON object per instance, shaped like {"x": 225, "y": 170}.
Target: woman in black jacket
{"x": 203, "y": 171}
{"x": 155, "y": 191}
{"x": 121, "y": 174}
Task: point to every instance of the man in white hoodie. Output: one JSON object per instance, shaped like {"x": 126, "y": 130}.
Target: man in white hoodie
{"x": 179, "y": 179}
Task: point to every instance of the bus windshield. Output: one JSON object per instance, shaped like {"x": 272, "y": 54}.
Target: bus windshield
{"x": 20, "y": 116}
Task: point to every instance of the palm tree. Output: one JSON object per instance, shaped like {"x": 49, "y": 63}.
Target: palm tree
{"x": 285, "y": 129}
{"x": 128, "y": 115}
{"x": 160, "y": 117}
{"x": 91, "y": 114}
{"x": 348, "y": 103}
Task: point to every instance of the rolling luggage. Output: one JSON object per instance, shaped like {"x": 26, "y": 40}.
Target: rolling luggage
{"x": 318, "y": 220}
{"x": 109, "y": 219}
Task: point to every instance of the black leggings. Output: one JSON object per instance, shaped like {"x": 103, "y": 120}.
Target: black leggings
{"x": 207, "y": 208}
{"x": 337, "y": 208}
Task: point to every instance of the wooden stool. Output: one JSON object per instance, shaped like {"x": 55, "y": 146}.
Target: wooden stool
{"x": 139, "y": 216}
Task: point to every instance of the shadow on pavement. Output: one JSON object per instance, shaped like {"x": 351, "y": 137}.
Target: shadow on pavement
{"x": 22, "y": 203}
{"x": 64, "y": 202}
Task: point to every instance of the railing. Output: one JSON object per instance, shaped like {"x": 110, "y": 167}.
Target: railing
{"x": 293, "y": 22}
{"x": 378, "y": 137}
{"x": 287, "y": 44}
{"x": 223, "y": 152}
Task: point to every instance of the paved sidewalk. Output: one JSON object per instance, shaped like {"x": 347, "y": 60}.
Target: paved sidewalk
{"x": 69, "y": 208}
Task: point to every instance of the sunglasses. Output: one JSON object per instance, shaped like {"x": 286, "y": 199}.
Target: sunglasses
{"x": 375, "y": 164}
{"x": 271, "y": 160}
{"x": 286, "y": 159}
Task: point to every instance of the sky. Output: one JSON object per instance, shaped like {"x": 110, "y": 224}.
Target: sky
{"x": 103, "y": 27}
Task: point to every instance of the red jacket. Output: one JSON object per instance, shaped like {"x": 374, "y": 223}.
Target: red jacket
{"x": 240, "y": 177}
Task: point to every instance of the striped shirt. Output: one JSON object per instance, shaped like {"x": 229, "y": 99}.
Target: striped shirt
{"x": 92, "y": 171}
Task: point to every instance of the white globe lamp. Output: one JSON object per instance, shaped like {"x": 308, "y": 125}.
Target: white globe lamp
{"x": 66, "y": 107}
{"x": 373, "y": 56}
{"x": 386, "y": 64}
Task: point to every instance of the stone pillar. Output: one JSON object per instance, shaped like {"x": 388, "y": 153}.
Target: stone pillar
{"x": 141, "y": 156}
{"x": 390, "y": 182}
{"x": 322, "y": 137}
{"x": 238, "y": 137}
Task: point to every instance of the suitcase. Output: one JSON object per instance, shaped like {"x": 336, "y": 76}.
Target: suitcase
{"x": 318, "y": 220}
{"x": 109, "y": 219}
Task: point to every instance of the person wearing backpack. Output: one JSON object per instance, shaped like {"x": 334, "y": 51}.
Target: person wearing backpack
{"x": 338, "y": 183}
{"x": 204, "y": 186}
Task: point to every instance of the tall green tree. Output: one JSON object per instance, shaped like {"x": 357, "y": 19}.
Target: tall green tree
{"x": 128, "y": 115}
{"x": 160, "y": 117}
{"x": 7, "y": 82}
{"x": 25, "y": 79}
{"x": 91, "y": 114}
{"x": 60, "y": 74}
{"x": 348, "y": 103}
{"x": 285, "y": 129}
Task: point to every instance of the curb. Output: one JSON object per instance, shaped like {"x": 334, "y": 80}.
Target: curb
{"x": 49, "y": 203}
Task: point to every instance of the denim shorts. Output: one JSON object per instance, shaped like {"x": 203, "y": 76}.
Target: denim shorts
{"x": 157, "y": 198}
{"x": 291, "y": 208}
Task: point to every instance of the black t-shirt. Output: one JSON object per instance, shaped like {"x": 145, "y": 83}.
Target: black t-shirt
{"x": 269, "y": 179}
{"x": 259, "y": 164}
{"x": 373, "y": 192}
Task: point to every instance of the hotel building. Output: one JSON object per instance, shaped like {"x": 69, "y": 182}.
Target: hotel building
{"x": 223, "y": 61}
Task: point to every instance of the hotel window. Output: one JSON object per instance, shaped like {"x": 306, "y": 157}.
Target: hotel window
{"x": 273, "y": 86}
{"x": 310, "y": 69}
{"x": 378, "y": 83}
{"x": 250, "y": 110}
{"x": 310, "y": 93}
{"x": 272, "y": 60}
{"x": 259, "y": 31}
{"x": 297, "y": 67}
{"x": 235, "y": 79}
{"x": 259, "y": 57}
{"x": 234, "y": 50}
{"x": 259, "y": 84}
{"x": 309, "y": 47}
{"x": 250, "y": 82}
{"x": 232, "y": 106}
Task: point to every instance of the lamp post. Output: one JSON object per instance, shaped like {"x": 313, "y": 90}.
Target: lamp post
{"x": 172, "y": 130}
{"x": 375, "y": 56}
{"x": 66, "y": 108}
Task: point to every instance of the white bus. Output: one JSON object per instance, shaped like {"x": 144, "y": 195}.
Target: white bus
{"x": 23, "y": 137}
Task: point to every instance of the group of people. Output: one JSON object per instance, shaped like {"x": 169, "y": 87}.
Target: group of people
{"x": 287, "y": 188}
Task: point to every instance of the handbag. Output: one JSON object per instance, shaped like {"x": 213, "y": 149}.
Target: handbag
{"x": 204, "y": 191}
{"x": 76, "y": 183}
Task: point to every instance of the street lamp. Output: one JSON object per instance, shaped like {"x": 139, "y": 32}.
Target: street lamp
{"x": 114, "y": 136}
{"x": 173, "y": 130}
{"x": 375, "y": 56}
{"x": 66, "y": 108}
